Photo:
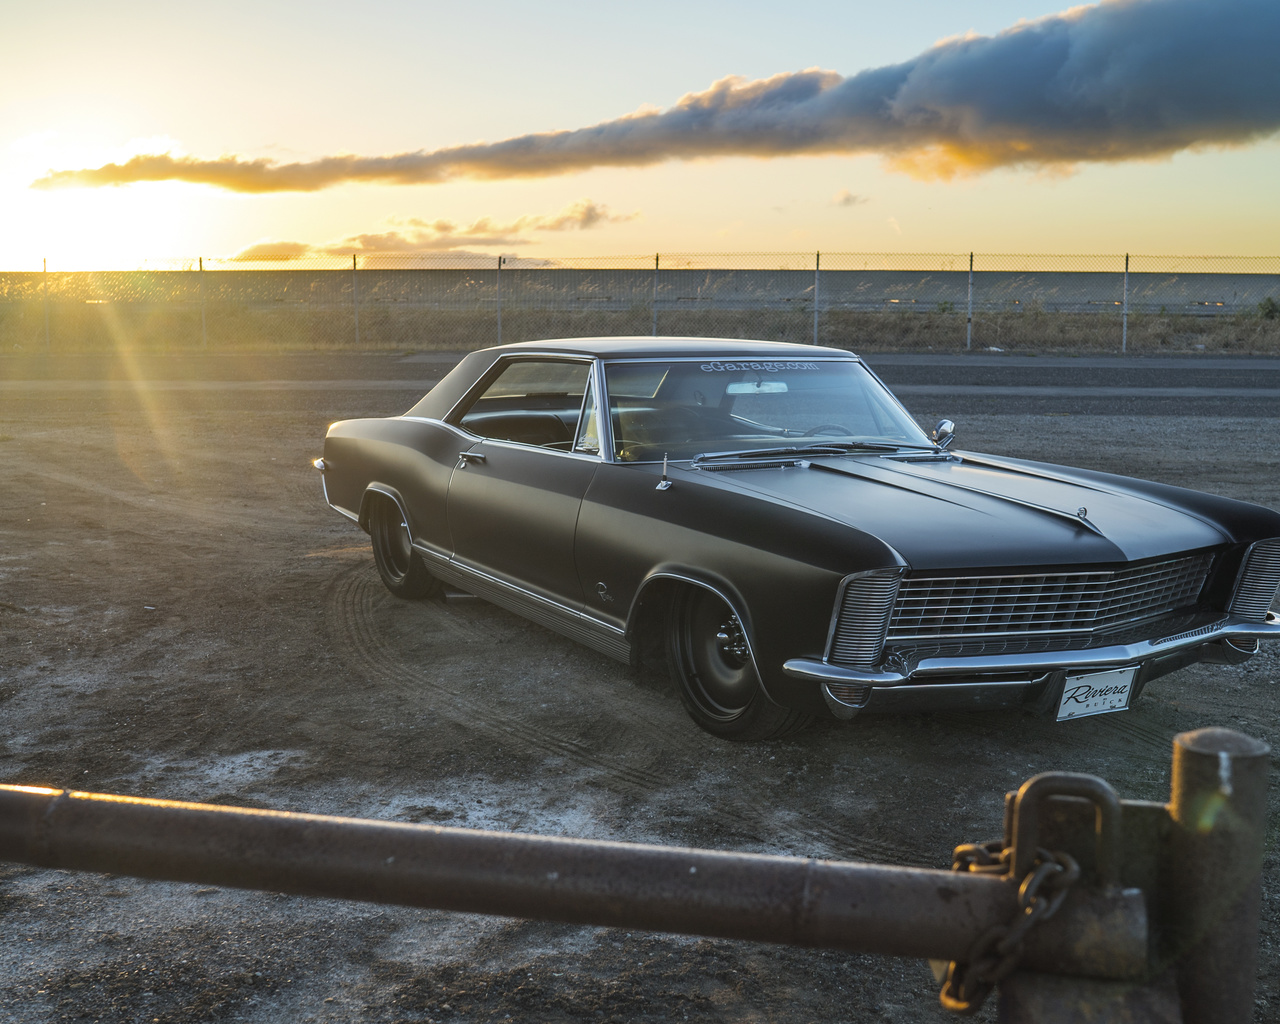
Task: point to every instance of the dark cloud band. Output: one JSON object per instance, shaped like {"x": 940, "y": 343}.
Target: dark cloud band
{"x": 1122, "y": 80}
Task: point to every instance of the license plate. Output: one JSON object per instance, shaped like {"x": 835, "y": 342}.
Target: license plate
{"x": 1096, "y": 693}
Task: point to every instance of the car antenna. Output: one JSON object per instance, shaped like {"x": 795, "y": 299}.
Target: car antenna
{"x": 664, "y": 483}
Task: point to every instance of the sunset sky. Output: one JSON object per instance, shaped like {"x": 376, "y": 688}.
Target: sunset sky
{"x": 137, "y": 130}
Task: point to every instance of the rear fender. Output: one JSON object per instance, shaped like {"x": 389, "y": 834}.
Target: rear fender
{"x": 366, "y": 504}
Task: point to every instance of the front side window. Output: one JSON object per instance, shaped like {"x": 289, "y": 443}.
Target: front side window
{"x": 682, "y": 408}
{"x": 532, "y": 401}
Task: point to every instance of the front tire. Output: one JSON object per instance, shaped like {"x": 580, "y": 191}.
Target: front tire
{"x": 401, "y": 568}
{"x": 713, "y": 670}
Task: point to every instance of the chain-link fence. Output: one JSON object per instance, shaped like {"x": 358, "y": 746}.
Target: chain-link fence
{"x": 454, "y": 301}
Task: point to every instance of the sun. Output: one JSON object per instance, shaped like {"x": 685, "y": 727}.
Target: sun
{"x": 89, "y": 229}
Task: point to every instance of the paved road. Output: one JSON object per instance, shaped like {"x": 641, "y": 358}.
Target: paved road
{"x": 1135, "y": 386}
{"x": 955, "y": 385}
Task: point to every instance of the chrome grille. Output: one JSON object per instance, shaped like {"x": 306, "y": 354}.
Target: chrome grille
{"x": 1259, "y": 581}
{"x": 1044, "y": 603}
{"x": 858, "y": 635}
{"x": 1165, "y": 630}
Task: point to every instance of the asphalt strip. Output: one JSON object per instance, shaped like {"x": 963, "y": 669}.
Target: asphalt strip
{"x": 421, "y": 386}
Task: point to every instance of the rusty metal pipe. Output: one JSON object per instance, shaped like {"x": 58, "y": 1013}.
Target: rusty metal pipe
{"x": 895, "y": 911}
{"x": 1213, "y": 884}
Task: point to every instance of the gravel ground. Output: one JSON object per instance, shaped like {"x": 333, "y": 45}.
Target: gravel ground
{"x": 182, "y": 617}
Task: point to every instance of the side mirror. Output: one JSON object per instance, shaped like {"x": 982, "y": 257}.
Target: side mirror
{"x": 944, "y": 433}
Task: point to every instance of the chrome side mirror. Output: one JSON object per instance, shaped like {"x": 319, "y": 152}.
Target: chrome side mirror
{"x": 944, "y": 433}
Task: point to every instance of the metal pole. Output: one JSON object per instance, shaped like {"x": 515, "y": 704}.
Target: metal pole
{"x": 1219, "y": 812}
{"x": 1124, "y": 316}
{"x": 817, "y": 262}
{"x": 968, "y": 324}
{"x": 499, "y": 300}
{"x": 45, "y": 279}
{"x": 893, "y": 911}
{"x": 655, "y": 294}
{"x": 355, "y": 298}
{"x": 204, "y": 328}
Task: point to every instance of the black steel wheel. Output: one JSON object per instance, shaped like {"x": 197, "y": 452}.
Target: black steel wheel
{"x": 401, "y": 568}
{"x": 711, "y": 664}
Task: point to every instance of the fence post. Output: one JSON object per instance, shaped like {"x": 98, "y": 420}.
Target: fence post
{"x": 355, "y": 298}
{"x": 499, "y": 300}
{"x": 204, "y": 328}
{"x": 817, "y": 262}
{"x": 968, "y": 323}
{"x": 1219, "y": 812}
{"x": 1124, "y": 315}
{"x": 45, "y": 278}
{"x": 655, "y": 294}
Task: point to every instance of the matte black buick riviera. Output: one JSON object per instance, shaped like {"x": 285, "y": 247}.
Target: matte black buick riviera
{"x": 776, "y": 519}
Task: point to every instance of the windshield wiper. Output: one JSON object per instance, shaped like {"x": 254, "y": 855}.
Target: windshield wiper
{"x": 802, "y": 451}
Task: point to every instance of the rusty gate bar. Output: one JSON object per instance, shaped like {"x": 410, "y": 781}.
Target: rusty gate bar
{"x": 897, "y": 911}
{"x": 1217, "y": 843}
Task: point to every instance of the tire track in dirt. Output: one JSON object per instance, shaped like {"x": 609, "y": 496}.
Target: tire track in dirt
{"x": 351, "y": 615}
{"x": 214, "y": 514}
{"x": 1132, "y": 734}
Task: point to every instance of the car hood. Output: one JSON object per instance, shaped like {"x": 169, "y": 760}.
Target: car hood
{"x": 982, "y": 511}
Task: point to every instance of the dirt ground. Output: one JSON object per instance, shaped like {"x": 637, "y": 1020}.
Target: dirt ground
{"x": 181, "y": 616}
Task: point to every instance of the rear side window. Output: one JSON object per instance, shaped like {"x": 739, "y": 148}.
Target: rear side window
{"x": 531, "y": 401}
{"x": 531, "y": 377}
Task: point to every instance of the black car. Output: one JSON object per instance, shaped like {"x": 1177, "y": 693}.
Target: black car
{"x": 774, "y": 518}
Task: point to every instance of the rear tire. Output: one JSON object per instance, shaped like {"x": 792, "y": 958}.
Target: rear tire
{"x": 713, "y": 670}
{"x": 402, "y": 569}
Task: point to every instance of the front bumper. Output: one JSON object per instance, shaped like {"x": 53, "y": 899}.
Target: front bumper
{"x": 941, "y": 683}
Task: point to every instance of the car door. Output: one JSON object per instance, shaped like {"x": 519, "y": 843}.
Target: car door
{"x": 515, "y": 494}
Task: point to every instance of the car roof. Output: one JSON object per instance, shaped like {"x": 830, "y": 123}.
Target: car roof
{"x": 646, "y": 346}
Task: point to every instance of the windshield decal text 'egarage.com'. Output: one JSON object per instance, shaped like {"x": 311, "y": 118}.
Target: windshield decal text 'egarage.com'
{"x": 769, "y": 367}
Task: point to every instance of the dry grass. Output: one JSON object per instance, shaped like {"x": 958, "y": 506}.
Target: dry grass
{"x": 89, "y": 327}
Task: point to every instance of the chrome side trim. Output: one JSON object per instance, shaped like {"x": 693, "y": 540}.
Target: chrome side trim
{"x": 502, "y": 442}
{"x": 345, "y": 511}
{"x": 569, "y": 622}
{"x": 1097, "y": 657}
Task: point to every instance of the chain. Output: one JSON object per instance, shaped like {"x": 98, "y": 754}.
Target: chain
{"x": 996, "y": 952}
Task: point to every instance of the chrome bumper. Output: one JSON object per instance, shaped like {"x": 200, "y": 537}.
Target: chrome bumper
{"x": 910, "y": 691}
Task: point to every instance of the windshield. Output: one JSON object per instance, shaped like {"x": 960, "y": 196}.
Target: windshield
{"x": 682, "y": 408}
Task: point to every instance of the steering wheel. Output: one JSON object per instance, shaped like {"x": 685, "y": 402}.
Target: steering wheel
{"x": 827, "y": 428}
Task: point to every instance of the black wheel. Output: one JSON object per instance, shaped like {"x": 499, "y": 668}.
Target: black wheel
{"x": 401, "y": 568}
{"x": 827, "y": 428}
{"x": 711, "y": 664}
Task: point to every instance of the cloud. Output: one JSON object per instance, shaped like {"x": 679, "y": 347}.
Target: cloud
{"x": 846, "y": 198}
{"x": 1119, "y": 80}
{"x": 416, "y": 235}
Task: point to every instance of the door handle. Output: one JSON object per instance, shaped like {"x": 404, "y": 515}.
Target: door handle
{"x": 465, "y": 457}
